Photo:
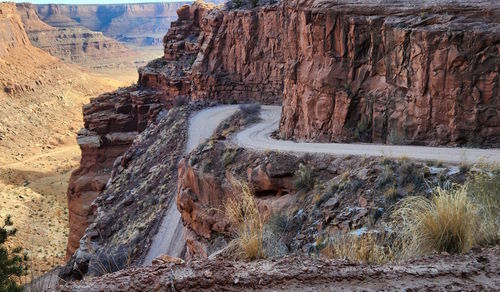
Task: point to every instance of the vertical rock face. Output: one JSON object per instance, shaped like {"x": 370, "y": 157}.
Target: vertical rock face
{"x": 112, "y": 121}
{"x": 394, "y": 73}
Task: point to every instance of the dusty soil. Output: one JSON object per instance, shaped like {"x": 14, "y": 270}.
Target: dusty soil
{"x": 34, "y": 193}
{"x": 38, "y": 124}
{"x": 477, "y": 270}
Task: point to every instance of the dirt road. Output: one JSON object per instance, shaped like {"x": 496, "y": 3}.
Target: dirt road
{"x": 259, "y": 137}
{"x": 170, "y": 237}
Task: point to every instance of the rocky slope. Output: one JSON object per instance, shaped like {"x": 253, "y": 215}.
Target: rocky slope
{"x": 470, "y": 272}
{"x": 74, "y": 43}
{"x": 337, "y": 65}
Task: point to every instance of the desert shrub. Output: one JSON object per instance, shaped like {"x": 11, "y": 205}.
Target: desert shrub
{"x": 395, "y": 138}
{"x": 446, "y": 222}
{"x": 364, "y": 248}
{"x": 391, "y": 193}
{"x": 13, "y": 263}
{"x": 228, "y": 156}
{"x": 157, "y": 63}
{"x": 237, "y": 3}
{"x": 250, "y": 112}
{"x": 244, "y": 216}
{"x": 254, "y": 3}
{"x": 303, "y": 179}
{"x": 410, "y": 174}
{"x": 105, "y": 262}
{"x": 330, "y": 191}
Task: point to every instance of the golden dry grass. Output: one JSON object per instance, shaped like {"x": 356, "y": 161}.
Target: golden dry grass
{"x": 365, "y": 248}
{"x": 244, "y": 215}
{"x": 446, "y": 222}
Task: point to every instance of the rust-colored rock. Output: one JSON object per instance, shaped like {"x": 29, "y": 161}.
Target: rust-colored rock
{"x": 112, "y": 121}
{"x": 385, "y": 73}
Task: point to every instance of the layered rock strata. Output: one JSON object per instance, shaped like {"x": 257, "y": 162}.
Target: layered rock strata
{"x": 73, "y": 43}
{"x": 143, "y": 24}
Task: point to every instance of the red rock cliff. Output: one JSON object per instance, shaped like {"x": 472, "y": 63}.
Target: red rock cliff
{"x": 395, "y": 72}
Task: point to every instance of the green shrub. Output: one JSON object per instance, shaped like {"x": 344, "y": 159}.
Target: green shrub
{"x": 13, "y": 263}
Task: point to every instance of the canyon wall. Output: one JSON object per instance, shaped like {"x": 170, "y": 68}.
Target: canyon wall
{"x": 12, "y": 35}
{"x": 143, "y": 24}
{"x": 344, "y": 71}
{"x": 73, "y": 43}
{"x": 393, "y": 72}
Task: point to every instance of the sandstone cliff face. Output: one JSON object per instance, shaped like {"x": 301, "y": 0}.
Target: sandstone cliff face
{"x": 72, "y": 42}
{"x": 393, "y": 73}
{"x": 112, "y": 122}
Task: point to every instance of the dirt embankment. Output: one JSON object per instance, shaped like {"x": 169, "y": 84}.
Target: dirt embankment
{"x": 477, "y": 270}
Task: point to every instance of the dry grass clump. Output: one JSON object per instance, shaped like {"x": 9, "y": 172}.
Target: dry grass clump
{"x": 364, "y": 248}
{"x": 484, "y": 190}
{"x": 244, "y": 215}
{"x": 448, "y": 222}
{"x": 303, "y": 178}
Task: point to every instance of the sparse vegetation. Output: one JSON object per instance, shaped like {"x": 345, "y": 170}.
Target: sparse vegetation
{"x": 237, "y": 4}
{"x": 484, "y": 189}
{"x": 363, "y": 248}
{"x": 446, "y": 222}
{"x": 228, "y": 156}
{"x": 303, "y": 179}
{"x": 243, "y": 214}
{"x": 250, "y": 113}
{"x": 13, "y": 263}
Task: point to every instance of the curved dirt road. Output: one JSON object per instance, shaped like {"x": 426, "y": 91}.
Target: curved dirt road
{"x": 170, "y": 237}
{"x": 203, "y": 124}
{"x": 259, "y": 137}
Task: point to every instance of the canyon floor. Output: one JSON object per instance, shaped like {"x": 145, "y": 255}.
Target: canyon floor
{"x": 39, "y": 151}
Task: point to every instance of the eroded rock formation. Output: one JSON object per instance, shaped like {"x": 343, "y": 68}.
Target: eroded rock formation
{"x": 344, "y": 71}
{"x": 393, "y": 73}
{"x": 142, "y": 24}
{"x": 73, "y": 43}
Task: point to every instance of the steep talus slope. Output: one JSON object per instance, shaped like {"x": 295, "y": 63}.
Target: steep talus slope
{"x": 72, "y": 42}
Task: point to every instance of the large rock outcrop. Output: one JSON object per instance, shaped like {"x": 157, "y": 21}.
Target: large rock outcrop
{"x": 393, "y": 72}
{"x": 112, "y": 122}
{"x": 344, "y": 71}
